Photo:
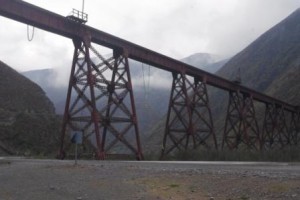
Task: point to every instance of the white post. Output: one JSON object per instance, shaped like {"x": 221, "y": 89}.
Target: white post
{"x": 76, "y": 153}
{"x": 82, "y": 6}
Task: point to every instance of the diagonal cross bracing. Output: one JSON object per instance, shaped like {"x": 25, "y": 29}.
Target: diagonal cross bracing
{"x": 189, "y": 123}
{"x": 241, "y": 127}
{"x": 96, "y": 105}
{"x": 275, "y": 131}
{"x": 91, "y": 87}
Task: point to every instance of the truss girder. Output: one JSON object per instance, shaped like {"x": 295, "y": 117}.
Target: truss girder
{"x": 241, "y": 127}
{"x": 100, "y": 103}
{"x": 275, "y": 131}
{"x": 295, "y": 128}
{"x": 189, "y": 121}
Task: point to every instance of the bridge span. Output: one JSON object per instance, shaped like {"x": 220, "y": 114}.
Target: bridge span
{"x": 100, "y": 101}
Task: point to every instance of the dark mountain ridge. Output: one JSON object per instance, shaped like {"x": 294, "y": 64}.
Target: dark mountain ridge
{"x": 28, "y": 123}
{"x": 270, "y": 64}
{"x": 270, "y": 60}
{"x": 16, "y": 93}
{"x": 205, "y": 61}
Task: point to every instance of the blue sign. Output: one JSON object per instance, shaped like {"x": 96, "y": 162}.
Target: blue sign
{"x": 76, "y": 138}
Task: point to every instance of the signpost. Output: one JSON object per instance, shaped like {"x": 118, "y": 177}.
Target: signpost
{"x": 77, "y": 139}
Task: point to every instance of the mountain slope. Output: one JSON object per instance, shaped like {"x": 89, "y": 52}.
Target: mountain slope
{"x": 27, "y": 118}
{"x": 151, "y": 88}
{"x": 269, "y": 61}
{"x": 46, "y": 79}
{"x": 287, "y": 86}
{"x": 205, "y": 61}
{"x": 18, "y": 93}
{"x": 271, "y": 65}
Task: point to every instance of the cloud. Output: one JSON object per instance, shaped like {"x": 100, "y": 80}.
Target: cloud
{"x": 147, "y": 77}
{"x": 176, "y": 28}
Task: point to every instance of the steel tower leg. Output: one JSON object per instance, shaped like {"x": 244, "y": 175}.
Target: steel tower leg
{"x": 202, "y": 117}
{"x": 241, "y": 127}
{"x": 81, "y": 114}
{"x": 295, "y": 128}
{"x": 189, "y": 122}
{"x": 99, "y": 91}
{"x": 178, "y": 130}
{"x": 275, "y": 131}
{"x": 121, "y": 126}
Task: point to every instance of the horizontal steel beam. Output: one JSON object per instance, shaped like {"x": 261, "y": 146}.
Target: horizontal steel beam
{"x": 29, "y": 14}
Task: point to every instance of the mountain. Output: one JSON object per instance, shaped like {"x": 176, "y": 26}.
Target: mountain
{"x": 28, "y": 122}
{"x": 151, "y": 87}
{"x": 46, "y": 79}
{"x": 205, "y": 61}
{"x": 270, "y": 64}
{"x": 214, "y": 67}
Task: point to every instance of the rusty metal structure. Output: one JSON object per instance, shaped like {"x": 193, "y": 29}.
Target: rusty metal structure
{"x": 241, "y": 127}
{"x": 100, "y": 101}
{"x": 99, "y": 93}
{"x": 276, "y": 133}
{"x": 189, "y": 121}
{"x": 295, "y": 128}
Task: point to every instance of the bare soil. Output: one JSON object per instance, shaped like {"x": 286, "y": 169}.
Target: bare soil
{"x": 30, "y": 179}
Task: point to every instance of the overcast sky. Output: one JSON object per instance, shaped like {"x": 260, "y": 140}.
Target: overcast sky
{"x": 176, "y": 28}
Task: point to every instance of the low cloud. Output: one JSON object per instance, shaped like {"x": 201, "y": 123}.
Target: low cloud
{"x": 176, "y": 28}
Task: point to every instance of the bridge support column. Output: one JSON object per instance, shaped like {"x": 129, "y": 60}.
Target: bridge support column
{"x": 241, "y": 127}
{"x": 295, "y": 128}
{"x": 202, "y": 117}
{"x": 275, "y": 131}
{"x": 121, "y": 126}
{"x": 189, "y": 122}
{"x": 96, "y": 107}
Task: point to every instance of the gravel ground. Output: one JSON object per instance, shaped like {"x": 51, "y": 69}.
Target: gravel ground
{"x": 28, "y": 179}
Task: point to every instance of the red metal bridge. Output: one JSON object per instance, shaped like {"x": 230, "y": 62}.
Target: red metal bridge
{"x": 100, "y": 100}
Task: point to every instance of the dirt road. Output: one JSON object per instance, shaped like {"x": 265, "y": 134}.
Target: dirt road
{"x": 28, "y": 179}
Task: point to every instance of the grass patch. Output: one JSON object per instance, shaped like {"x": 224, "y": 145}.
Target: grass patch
{"x": 244, "y": 197}
{"x": 279, "y": 188}
{"x": 169, "y": 187}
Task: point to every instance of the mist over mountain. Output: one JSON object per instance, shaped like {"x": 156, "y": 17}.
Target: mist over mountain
{"x": 205, "y": 61}
{"x": 270, "y": 64}
{"x": 151, "y": 87}
{"x": 46, "y": 79}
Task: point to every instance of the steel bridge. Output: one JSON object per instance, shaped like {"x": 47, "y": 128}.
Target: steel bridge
{"x": 100, "y": 100}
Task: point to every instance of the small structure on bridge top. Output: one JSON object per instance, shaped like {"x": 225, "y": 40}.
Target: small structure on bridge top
{"x": 78, "y": 16}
